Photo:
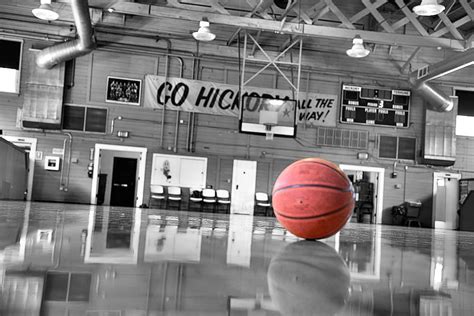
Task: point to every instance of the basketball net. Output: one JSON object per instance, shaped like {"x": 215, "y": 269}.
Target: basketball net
{"x": 268, "y": 132}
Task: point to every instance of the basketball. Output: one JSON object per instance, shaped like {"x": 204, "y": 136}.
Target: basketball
{"x": 313, "y": 198}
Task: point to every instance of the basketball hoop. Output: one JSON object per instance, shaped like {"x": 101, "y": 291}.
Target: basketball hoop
{"x": 268, "y": 131}
{"x": 268, "y": 119}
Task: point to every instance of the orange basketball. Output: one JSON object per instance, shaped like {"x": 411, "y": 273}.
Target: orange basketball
{"x": 313, "y": 198}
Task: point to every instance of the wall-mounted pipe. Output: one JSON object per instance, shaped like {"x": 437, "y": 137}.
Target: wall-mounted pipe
{"x": 112, "y": 124}
{"x": 192, "y": 115}
{"x": 437, "y": 99}
{"x": 66, "y": 165}
{"x": 163, "y": 111}
{"x": 176, "y": 130}
{"x": 84, "y": 44}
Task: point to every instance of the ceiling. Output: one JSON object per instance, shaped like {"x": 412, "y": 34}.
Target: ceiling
{"x": 275, "y": 23}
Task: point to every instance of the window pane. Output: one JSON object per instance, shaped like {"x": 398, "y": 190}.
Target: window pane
{"x": 465, "y": 102}
{"x": 73, "y": 118}
{"x": 388, "y": 147}
{"x": 79, "y": 287}
{"x": 96, "y": 120}
{"x": 56, "y": 286}
{"x": 406, "y": 148}
{"x": 10, "y": 54}
{"x": 10, "y": 65}
{"x": 9, "y": 80}
{"x": 464, "y": 125}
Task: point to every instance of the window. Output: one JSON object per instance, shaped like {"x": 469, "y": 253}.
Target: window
{"x": 84, "y": 118}
{"x": 393, "y": 147}
{"x": 465, "y": 117}
{"x": 67, "y": 287}
{"x": 10, "y": 65}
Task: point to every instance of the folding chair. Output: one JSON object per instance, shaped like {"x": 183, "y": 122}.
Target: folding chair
{"x": 157, "y": 193}
{"x": 223, "y": 199}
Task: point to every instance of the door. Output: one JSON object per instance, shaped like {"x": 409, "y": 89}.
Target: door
{"x": 376, "y": 176}
{"x": 445, "y": 196}
{"x": 244, "y": 175}
{"x": 124, "y": 175}
{"x": 29, "y": 145}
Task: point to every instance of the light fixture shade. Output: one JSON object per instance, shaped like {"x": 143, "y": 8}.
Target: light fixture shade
{"x": 204, "y": 33}
{"x": 428, "y": 8}
{"x": 45, "y": 11}
{"x": 358, "y": 50}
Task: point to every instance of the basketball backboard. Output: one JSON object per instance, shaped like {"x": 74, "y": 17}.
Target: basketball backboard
{"x": 268, "y": 116}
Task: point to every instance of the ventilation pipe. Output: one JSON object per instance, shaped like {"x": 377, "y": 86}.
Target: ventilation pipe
{"x": 84, "y": 44}
{"x": 437, "y": 99}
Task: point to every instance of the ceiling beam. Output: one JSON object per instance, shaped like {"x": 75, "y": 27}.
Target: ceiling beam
{"x": 250, "y": 14}
{"x": 311, "y": 12}
{"x": 412, "y": 17}
{"x": 366, "y": 11}
{"x": 376, "y": 14}
{"x": 338, "y": 13}
{"x": 155, "y": 11}
{"x": 458, "y": 23}
{"x": 468, "y": 8}
{"x": 204, "y": 6}
{"x": 451, "y": 27}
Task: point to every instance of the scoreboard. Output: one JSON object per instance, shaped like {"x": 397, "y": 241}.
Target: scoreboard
{"x": 373, "y": 106}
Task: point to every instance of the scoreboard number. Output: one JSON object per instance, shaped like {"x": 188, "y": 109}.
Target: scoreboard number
{"x": 375, "y": 106}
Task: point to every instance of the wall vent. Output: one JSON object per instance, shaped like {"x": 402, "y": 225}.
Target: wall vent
{"x": 342, "y": 138}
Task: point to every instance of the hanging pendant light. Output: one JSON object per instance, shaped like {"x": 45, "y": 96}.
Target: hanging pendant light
{"x": 204, "y": 33}
{"x": 428, "y": 8}
{"x": 358, "y": 50}
{"x": 45, "y": 11}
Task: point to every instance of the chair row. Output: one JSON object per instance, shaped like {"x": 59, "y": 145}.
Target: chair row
{"x": 215, "y": 199}
{"x": 205, "y": 200}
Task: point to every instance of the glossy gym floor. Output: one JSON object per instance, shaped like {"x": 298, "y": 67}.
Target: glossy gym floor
{"x": 61, "y": 259}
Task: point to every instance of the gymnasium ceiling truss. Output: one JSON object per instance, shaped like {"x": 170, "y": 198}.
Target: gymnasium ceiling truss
{"x": 376, "y": 21}
{"x": 271, "y": 60}
{"x": 388, "y": 23}
{"x": 379, "y": 22}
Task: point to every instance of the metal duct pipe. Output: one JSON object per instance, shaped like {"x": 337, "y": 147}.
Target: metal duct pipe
{"x": 84, "y": 44}
{"x": 437, "y": 99}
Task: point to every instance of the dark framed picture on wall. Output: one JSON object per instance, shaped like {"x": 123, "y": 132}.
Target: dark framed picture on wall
{"x": 123, "y": 90}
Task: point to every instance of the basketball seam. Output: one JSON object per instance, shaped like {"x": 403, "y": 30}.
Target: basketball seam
{"x": 314, "y": 216}
{"x": 323, "y": 164}
{"x": 296, "y": 186}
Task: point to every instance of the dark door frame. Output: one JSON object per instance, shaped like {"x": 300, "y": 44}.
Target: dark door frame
{"x": 140, "y": 184}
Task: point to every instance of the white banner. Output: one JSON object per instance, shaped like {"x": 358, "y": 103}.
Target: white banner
{"x": 223, "y": 99}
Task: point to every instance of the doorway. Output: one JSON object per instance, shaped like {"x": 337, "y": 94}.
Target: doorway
{"x": 373, "y": 175}
{"x": 131, "y": 162}
{"x": 445, "y": 200}
{"x": 29, "y": 145}
{"x": 244, "y": 174}
{"x": 123, "y": 182}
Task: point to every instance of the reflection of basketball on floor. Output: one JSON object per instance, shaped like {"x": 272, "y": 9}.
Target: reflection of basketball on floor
{"x": 313, "y": 198}
{"x": 308, "y": 278}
